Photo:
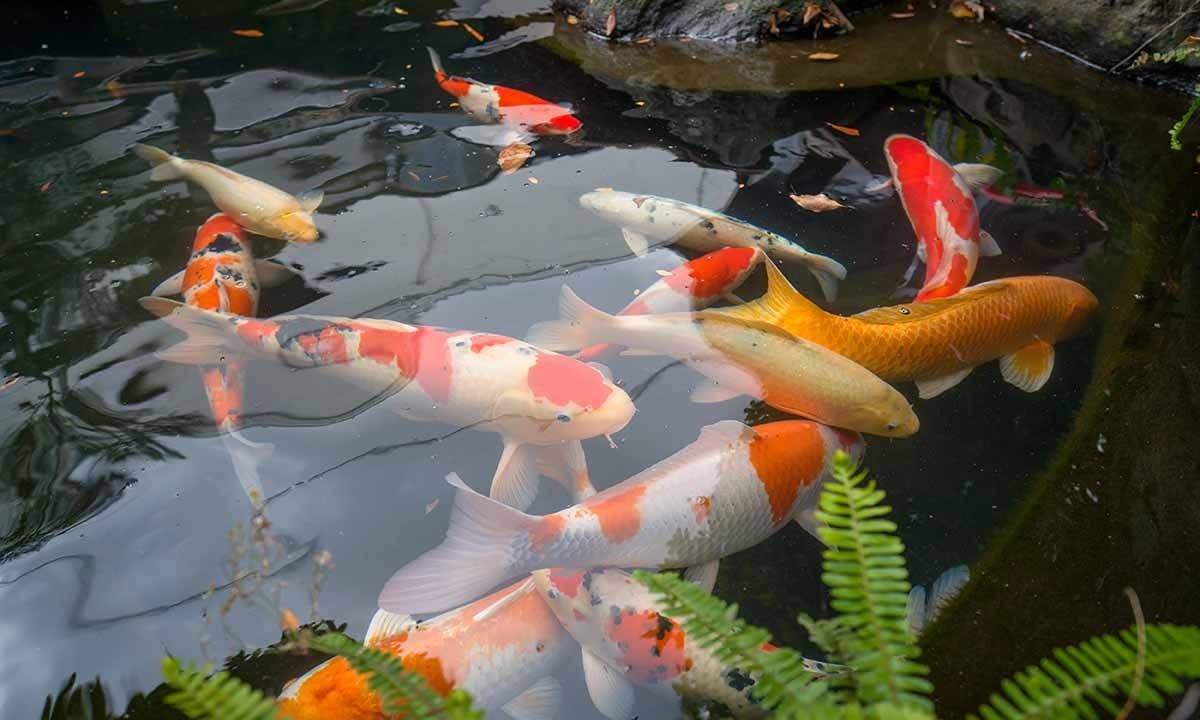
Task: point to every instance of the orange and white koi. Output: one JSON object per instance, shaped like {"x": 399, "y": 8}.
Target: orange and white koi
{"x": 541, "y": 403}
{"x": 694, "y": 285}
{"x": 502, "y": 649}
{"x": 939, "y": 342}
{"x": 522, "y": 113}
{"x": 742, "y": 357}
{"x": 223, "y": 276}
{"x": 730, "y": 489}
{"x": 938, "y": 201}
{"x": 647, "y": 218}
{"x": 260, "y": 208}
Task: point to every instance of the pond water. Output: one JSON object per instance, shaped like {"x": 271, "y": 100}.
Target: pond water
{"x": 116, "y": 494}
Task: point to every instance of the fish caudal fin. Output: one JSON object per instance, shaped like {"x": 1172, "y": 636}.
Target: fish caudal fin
{"x": 166, "y": 165}
{"x": 827, "y": 271}
{"x": 988, "y": 247}
{"x": 209, "y": 338}
{"x": 247, "y": 457}
{"x": 576, "y": 327}
{"x": 977, "y": 175}
{"x": 436, "y": 61}
{"x": 474, "y": 558}
{"x": 1029, "y": 368}
{"x": 780, "y": 301}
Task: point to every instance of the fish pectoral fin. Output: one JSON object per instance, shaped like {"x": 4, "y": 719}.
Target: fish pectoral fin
{"x": 638, "y": 243}
{"x": 932, "y": 387}
{"x": 988, "y": 247}
{"x": 499, "y": 136}
{"x": 807, "y": 519}
{"x": 386, "y": 624}
{"x": 540, "y": 702}
{"x": 566, "y": 464}
{"x": 704, "y": 576}
{"x": 723, "y": 382}
{"x": 710, "y": 391}
{"x": 978, "y": 175}
{"x": 171, "y": 286}
{"x": 1029, "y": 368}
{"x": 272, "y": 274}
{"x": 310, "y": 200}
{"x": 916, "y": 610}
{"x": 611, "y": 692}
{"x": 516, "y": 480}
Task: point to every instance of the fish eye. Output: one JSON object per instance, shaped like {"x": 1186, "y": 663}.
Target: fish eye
{"x": 563, "y": 417}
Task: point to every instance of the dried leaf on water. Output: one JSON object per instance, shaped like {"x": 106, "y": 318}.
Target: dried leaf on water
{"x": 772, "y": 26}
{"x": 963, "y": 42}
{"x": 414, "y": 176}
{"x": 46, "y": 186}
{"x": 731, "y": 7}
{"x": 1191, "y": 40}
{"x": 79, "y": 74}
{"x": 1016, "y": 36}
{"x": 644, "y": 41}
{"x": 116, "y": 89}
{"x": 248, "y": 33}
{"x": 400, "y": 11}
{"x": 474, "y": 33}
{"x": 533, "y": 180}
{"x": 816, "y": 203}
{"x": 853, "y": 132}
{"x": 446, "y": 23}
{"x": 811, "y": 11}
{"x": 966, "y": 9}
{"x": 513, "y": 157}
{"x": 572, "y": 20}
{"x": 903, "y": 16}
{"x": 611, "y": 23}
{"x": 824, "y": 56}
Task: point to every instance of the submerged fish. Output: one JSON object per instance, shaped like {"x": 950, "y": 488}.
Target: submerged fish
{"x": 541, "y": 403}
{"x": 730, "y": 489}
{"x": 253, "y": 204}
{"x": 938, "y": 343}
{"x": 646, "y": 218}
{"x": 520, "y": 113}
{"x": 502, "y": 649}
{"x": 694, "y": 285}
{"x": 223, "y": 276}
{"x": 938, "y": 201}
{"x": 742, "y": 357}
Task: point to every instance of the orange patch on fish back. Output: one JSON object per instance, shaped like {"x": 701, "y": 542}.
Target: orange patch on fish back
{"x": 481, "y": 341}
{"x": 651, "y": 643}
{"x": 563, "y": 380}
{"x": 335, "y": 692}
{"x": 545, "y": 531}
{"x": 701, "y": 506}
{"x": 787, "y": 456}
{"x": 619, "y": 514}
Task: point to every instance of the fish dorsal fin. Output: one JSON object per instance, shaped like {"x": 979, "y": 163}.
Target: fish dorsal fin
{"x": 780, "y": 301}
{"x": 387, "y": 624}
{"x": 311, "y": 200}
{"x": 915, "y": 312}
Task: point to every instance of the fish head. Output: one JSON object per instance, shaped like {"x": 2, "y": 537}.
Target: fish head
{"x": 621, "y": 208}
{"x": 222, "y": 230}
{"x": 563, "y": 399}
{"x": 893, "y": 416}
{"x": 1081, "y": 305}
{"x": 294, "y": 227}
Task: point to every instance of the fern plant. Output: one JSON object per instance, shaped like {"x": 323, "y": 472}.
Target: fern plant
{"x": 865, "y": 570}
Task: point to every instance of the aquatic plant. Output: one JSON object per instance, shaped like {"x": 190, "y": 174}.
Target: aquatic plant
{"x": 865, "y": 570}
{"x": 1180, "y": 54}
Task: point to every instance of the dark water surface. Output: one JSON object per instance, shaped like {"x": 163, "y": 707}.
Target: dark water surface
{"x": 116, "y": 497}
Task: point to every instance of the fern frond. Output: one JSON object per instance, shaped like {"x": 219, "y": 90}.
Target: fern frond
{"x": 1178, "y": 128}
{"x": 1098, "y": 673}
{"x": 201, "y": 696}
{"x": 865, "y": 571}
{"x": 400, "y": 691}
{"x": 783, "y": 683}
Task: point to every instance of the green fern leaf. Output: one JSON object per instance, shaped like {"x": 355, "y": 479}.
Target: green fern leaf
{"x": 865, "y": 571}
{"x": 200, "y": 695}
{"x": 783, "y": 682}
{"x": 1098, "y": 674}
{"x": 1178, "y": 128}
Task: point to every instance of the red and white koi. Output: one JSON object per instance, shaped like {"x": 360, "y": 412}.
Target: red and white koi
{"x": 541, "y": 403}
{"x": 694, "y": 285}
{"x": 502, "y": 649}
{"x": 521, "y": 113}
{"x": 730, "y": 489}
{"x": 223, "y": 276}
{"x": 938, "y": 201}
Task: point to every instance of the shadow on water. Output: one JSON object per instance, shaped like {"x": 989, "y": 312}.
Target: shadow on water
{"x": 115, "y": 495}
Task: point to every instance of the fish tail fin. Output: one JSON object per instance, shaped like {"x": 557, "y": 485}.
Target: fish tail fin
{"x": 436, "y": 60}
{"x": 827, "y": 271}
{"x": 247, "y": 457}
{"x": 209, "y": 340}
{"x": 475, "y": 557}
{"x": 780, "y": 301}
{"x": 165, "y": 165}
{"x": 579, "y": 325}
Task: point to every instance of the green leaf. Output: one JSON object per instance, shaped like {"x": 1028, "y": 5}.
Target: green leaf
{"x": 201, "y": 695}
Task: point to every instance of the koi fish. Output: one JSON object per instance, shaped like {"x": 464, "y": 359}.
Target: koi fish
{"x": 939, "y": 342}
{"x": 223, "y": 276}
{"x": 742, "y": 357}
{"x": 694, "y": 285}
{"x": 541, "y": 403}
{"x": 502, "y": 649}
{"x": 938, "y": 201}
{"x": 629, "y": 640}
{"x": 253, "y": 204}
{"x": 732, "y": 488}
{"x": 671, "y": 222}
{"x": 522, "y": 114}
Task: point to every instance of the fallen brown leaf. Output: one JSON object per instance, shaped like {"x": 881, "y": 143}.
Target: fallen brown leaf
{"x": 966, "y": 9}
{"x": 513, "y": 157}
{"x": 474, "y": 33}
{"x": 644, "y": 41}
{"x": 533, "y": 180}
{"x": 853, "y": 132}
{"x": 824, "y": 56}
{"x": 611, "y": 23}
{"x": 288, "y": 621}
{"x": 12, "y": 379}
{"x": 115, "y": 89}
{"x": 782, "y": 13}
{"x": 453, "y": 104}
{"x": 816, "y": 203}
{"x": 811, "y": 10}
{"x": 434, "y": 503}
{"x": 399, "y": 11}
{"x": 446, "y": 23}
{"x": 772, "y": 26}
{"x": 731, "y": 7}
{"x": 414, "y": 176}
{"x": 248, "y": 33}
{"x": 572, "y": 20}
{"x": 7, "y": 132}
{"x": 903, "y": 16}
{"x": 1191, "y": 40}
{"x": 79, "y": 74}
{"x": 828, "y": 22}
{"x": 46, "y": 186}
{"x": 963, "y": 42}
{"x": 1016, "y": 36}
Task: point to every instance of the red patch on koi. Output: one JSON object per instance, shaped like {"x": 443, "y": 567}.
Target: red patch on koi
{"x": 329, "y": 345}
{"x": 651, "y": 645}
{"x": 619, "y": 514}
{"x": 223, "y": 388}
{"x": 701, "y": 506}
{"x": 567, "y": 582}
{"x": 422, "y": 354}
{"x": 639, "y": 200}
{"x": 545, "y": 531}
{"x": 562, "y": 380}
{"x": 480, "y": 341}
{"x": 787, "y": 455}
{"x": 848, "y": 439}
{"x": 956, "y": 279}
{"x": 253, "y": 331}
{"x": 712, "y": 274}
